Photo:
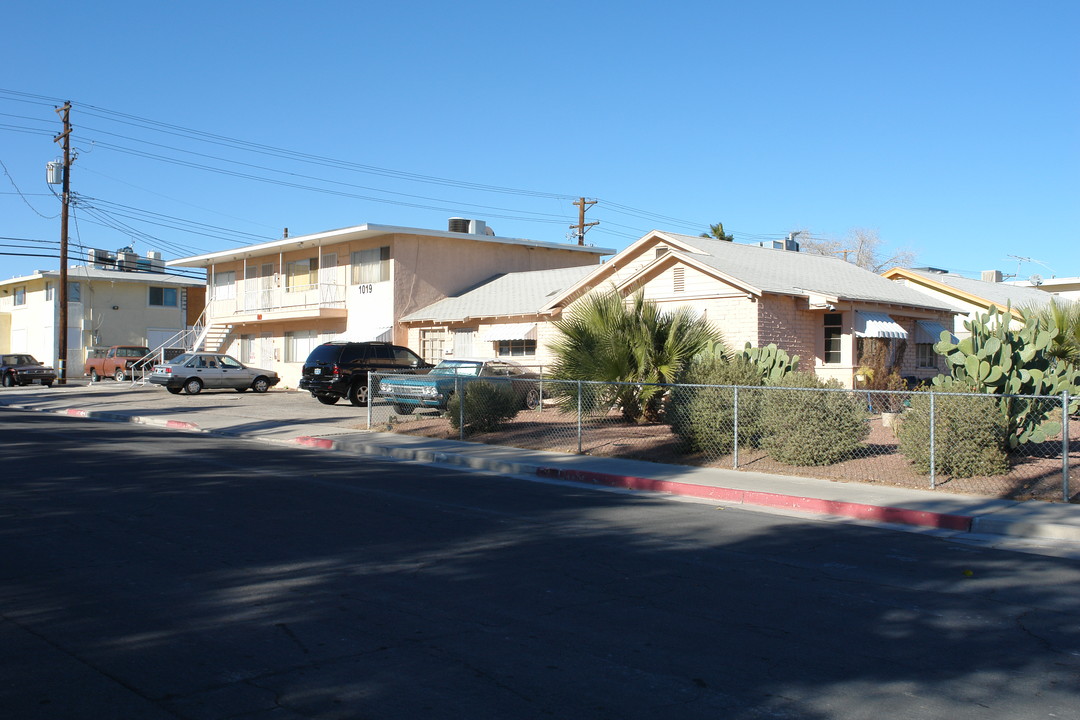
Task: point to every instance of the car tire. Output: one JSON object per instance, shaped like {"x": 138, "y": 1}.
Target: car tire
{"x": 358, "y": 394}
{"x": 119, "y": 375}
{"x": 328, "y": 399}
{"x": 174, "y": 390}
{"x": 94, "y": 377}
{"x": 9, "y": 380}
{"x": 404, "y": 409}
{"x": 532, "y": 399}
{"x": 48, "y": 384}
{"x": 193, "y": 386}
{"x": 260, "y": 384}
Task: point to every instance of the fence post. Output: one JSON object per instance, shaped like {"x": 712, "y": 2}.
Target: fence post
{"x": 933, "y": 478}
{"x": 1065, "y": 446}
{"x": 370, "y": 399}
{"x": 459, "y": 388}
{"x": 579, "y": 417}
{"x": 735, "y": 435}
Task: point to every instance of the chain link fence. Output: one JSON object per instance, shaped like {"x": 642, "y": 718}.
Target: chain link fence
{"x": 1015, "y": 447}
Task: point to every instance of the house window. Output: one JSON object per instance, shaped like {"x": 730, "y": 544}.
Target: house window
{"x": 20, "y": 296}
{"x": 225, "y": 285}
{"x": 74, "y": 292}
{"x": 161, "y": 297}
{"x": 301, "y": 275}
{"x": 925, "y": 357}
{"x": 834, "y": 330}
{"x": 431, "y": 345}
{"x": 516, "y": 348}
{"x": 299, "y": 344}
{"x": 371, "y": 266}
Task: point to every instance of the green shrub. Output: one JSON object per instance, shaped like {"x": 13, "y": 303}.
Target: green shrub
{"x": 704, "y": 417}
{"x": 970, "y": 435}
{"x": 487, "y": 406}
{"x": 804, "y": 427}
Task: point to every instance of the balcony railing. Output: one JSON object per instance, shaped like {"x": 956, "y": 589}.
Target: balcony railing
{"x": 294, "y": 298}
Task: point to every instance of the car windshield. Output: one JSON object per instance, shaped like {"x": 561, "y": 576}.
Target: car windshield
{"x": 457, "y": 367}
{"x": 20, "y": 360}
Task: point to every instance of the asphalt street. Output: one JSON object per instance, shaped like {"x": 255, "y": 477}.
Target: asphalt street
{"x": 149, "y": 574}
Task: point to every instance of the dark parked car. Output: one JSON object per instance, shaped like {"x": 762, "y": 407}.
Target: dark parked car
{"x": 191, "y": 372}
{"x": 23, "y": 369}
{"x": 434, "y": 389}
{"x": 335, "y": 370}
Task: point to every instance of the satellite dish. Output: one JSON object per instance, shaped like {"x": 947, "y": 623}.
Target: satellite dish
{"x": 1036, "y": 280}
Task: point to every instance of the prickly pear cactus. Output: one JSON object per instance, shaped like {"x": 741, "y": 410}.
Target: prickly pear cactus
{"x": 1002, "y": 357}
{"x": 773, "y": 362}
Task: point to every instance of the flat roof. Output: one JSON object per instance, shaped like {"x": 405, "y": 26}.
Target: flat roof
{"x": 359, "y": 232}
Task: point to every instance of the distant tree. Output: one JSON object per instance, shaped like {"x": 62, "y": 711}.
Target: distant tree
{"x": 1061, "y": 319}
{"x": 717, "y": 233}
{"x": 861, "y": 247}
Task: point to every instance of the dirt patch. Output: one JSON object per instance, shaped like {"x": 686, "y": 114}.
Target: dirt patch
{"x": 1035, "y": 471}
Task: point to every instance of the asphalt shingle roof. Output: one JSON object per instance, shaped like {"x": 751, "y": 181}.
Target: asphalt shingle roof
{"x": 794, "y": 273}
{"x": 999, "y": 293}
{"x": 519, "y": 293}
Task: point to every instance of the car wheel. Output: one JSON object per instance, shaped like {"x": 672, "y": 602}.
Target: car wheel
{"x": 193, "y": 386}
{"x": 403, "y": 409}
{"x": 358, "y": 394}
{"x": 532, "y": 399}
{"x": 119, "y": 375}
{"x": 9, "y": 380}
{"x": 48, "y": 384}
{"x": 260, "y": 385}
{"x": 173, "y": 390}
{"x": 328, "y": 399}
{"x": 94, "y": 377}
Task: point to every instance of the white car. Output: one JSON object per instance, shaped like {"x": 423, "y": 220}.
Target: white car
{"x": 191, "y": 372}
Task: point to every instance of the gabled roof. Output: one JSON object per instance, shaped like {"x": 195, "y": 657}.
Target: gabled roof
{"x": 519, "y": 293}
{"x": 976, "y": 292}
{"x": 760, "y": 270}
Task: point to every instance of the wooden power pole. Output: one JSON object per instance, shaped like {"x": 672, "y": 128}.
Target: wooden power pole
{"x": 582, "y": 226}
{"x": 61, "y": 339}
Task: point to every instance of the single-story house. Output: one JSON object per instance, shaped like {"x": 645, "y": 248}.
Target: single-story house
{"x": 814, "y": 306}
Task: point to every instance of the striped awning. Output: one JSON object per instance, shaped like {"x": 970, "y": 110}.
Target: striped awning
{"x": 877, "y": 325}
{"x": 509, "y": 331}
{"x": 928, "y": 331}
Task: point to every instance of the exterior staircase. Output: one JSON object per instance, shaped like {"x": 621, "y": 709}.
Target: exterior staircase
{"x": 212, "y": 338}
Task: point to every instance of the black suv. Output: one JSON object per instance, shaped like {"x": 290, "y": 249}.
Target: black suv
{"x": 339, "y": 369}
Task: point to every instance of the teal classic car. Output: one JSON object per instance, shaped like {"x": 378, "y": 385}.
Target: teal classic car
{"x": 409, "y": 392}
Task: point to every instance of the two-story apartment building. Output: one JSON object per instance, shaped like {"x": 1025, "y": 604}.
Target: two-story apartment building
{"x": 270, "y": 304}
{"x": 106, "y": 306}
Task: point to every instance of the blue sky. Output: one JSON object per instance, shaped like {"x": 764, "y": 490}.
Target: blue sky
{"x": 950, "y": 129}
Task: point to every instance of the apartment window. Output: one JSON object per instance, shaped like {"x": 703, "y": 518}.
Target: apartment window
{"x": 299, "y": 344}
{"x": 50, "y": 292}
{"x": 431, "y": 345}
{"x": 371, "y": 266}
{"x": 160, "y": 297}
{"x": 20, "y": 296}
{"x": 301, "y": 275}
{"x": 516, "y": 348}
{"x": 833, "y": 334}
{"x": 74, "y": 292}
{"x": 225, "y": 285}
{"x": 925, "y": 357}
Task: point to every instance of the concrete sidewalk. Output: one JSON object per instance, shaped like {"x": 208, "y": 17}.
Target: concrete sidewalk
{"x": 872, "y": 503}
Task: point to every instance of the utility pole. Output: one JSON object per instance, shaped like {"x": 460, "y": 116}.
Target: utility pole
{"x": 61, "y": 340}
{"x": 582, "y": 226}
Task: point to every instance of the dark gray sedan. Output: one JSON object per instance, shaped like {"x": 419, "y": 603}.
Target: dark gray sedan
{"x": 192, "y": 372}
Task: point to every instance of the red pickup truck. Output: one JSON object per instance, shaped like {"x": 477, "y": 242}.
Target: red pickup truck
{"x": 118, "y": 363}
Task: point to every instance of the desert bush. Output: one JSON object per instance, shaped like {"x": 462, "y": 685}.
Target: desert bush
{"x": 970, "y": 435}
{"x": 487, "y": 406}
{"x": 802, "y": 426}
{"x": 704, "y": 417}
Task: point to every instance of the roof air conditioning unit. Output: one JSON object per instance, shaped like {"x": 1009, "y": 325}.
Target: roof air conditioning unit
{"x": 156, "y": 261}
{"x": 458, "y": 224}
{"x": 127, "y": 261}
{"x": 477, "y": 227}
{"x": 101, "y": 259}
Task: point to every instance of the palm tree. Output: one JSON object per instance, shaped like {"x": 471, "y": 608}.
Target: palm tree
{"x": 607, "y": 339}
{"x": 1062, "y": 319}
{"x": 717, "y": 233}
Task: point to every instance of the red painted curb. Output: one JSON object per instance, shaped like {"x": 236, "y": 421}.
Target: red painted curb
{"x": 76, "y": 412}
{"x": 315, "y": 442}
{"x": 181, "y": 425}
{"x": 861, "y": 511}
